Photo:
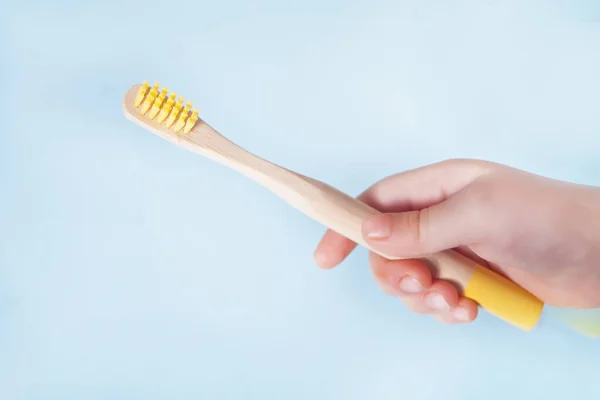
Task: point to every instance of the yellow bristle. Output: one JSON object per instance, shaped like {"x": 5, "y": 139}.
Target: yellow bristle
{"x": 174, "y": 112}
{"x": 166, "y": 109}
{"x": 141, "y": 93}
{"x": 182, "y": 117}
{"x": 191, "y": 121}
{"x": 158, "y": 103}
{"x": 149, "y": 99}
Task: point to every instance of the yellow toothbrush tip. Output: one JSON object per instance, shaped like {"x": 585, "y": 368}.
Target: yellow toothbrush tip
{"x": 160, "y": 106}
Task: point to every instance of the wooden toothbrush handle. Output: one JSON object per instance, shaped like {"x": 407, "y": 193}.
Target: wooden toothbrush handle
{"x": 493, "y": 292}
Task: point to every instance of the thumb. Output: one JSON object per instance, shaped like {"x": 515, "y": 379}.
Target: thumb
{"x": 418, "y": 233}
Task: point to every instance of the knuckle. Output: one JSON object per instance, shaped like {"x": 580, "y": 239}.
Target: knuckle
{"x": 423, "y": 223}
{"x": 416, "y": 226}
{"x": 413, "y": 227}
{"x": 466, "y": 162}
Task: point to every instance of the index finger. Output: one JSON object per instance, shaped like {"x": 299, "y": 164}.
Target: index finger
{"x": 333, "y": 247}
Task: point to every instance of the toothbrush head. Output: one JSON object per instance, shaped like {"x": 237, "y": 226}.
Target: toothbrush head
{"x": 154, "y": 108}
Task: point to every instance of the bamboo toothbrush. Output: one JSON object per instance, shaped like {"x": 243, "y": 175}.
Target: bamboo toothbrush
{"x": 165, "y": 115}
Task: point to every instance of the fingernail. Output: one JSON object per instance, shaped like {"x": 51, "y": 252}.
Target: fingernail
{"x": 461, "y": 314}
{"x": 377, "y": 227}
{"x": 411, "y": 285}
{"x": 436, "y": 301}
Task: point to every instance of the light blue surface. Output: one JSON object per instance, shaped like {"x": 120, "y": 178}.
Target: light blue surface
{"x": 131, "y": 269}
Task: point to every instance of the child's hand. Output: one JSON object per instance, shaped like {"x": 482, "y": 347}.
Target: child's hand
{"x": 543, "y": 234}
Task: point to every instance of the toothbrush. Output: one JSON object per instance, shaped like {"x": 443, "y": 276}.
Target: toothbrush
{"x": 165, "y": 115}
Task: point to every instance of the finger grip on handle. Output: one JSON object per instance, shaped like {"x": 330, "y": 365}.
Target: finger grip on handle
{"x": 494, "y": 293}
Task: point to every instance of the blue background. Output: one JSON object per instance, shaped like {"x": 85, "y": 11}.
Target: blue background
{"x": 131, "y": 269}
